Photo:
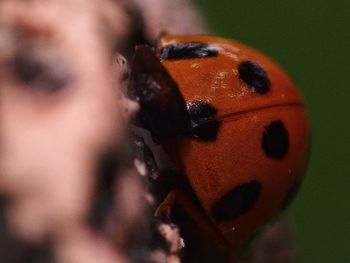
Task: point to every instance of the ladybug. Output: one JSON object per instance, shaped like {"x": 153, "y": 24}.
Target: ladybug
{"x": 232, "y": 121}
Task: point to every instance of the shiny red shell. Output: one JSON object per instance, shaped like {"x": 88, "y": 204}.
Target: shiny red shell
{"x": 236, "y": 158}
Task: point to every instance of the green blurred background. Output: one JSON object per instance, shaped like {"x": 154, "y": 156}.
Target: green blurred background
{"x": 311, "y": 40}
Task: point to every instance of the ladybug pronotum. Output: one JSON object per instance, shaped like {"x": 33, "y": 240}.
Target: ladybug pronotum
{"x": 231, "y": 120}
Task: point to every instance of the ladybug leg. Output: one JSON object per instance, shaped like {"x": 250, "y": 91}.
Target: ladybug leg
{"x": 163, "y": 110}
{"x": 196, "y": 214}
{"x": 164, "y": 209}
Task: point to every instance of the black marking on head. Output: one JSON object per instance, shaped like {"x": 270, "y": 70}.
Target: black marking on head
{"x": 39, "y": 74}
{"x": 237, "y": 202}
{"x": 289, "y": 197}
{"x": 162, "y": 107}
{"x": 204, "y": 125}
{"x": 254, "y": 76}
{"x": 188, "y": 51}
{"x": 275, "y": 141}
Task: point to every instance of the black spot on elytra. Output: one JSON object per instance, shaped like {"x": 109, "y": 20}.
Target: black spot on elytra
{"x": 204, "y": 125}
{"x": 292, "y": 192}
{"x": 254, "y": 76}
{"x": 237, "y": 202}
{"x": 188, "y": 51}
{"x": 275, "y": 141}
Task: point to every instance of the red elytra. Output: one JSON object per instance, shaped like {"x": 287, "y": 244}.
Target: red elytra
{"x": 249, "y": 171}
